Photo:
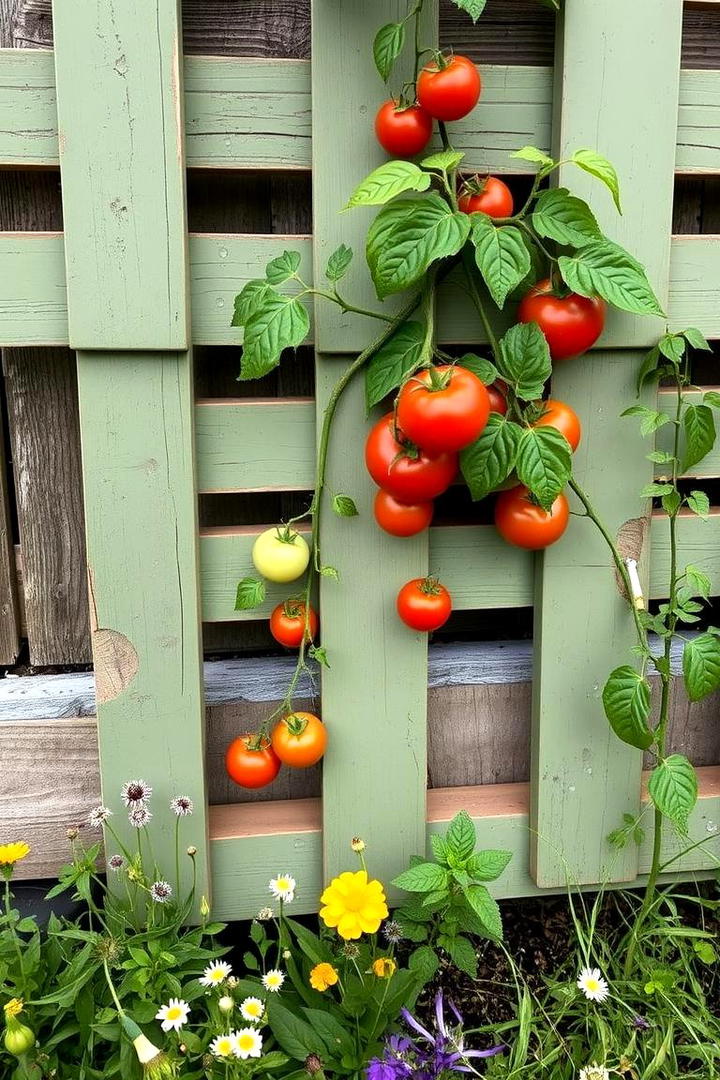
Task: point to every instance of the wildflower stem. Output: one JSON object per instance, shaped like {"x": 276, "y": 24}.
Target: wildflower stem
{"x": 16, "y": 942}
{"x": 113, "y": 994}
{"x": 177, "y": 857}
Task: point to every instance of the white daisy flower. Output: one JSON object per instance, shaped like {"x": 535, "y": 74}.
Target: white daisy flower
{"x": 223, "y": 1046}
{"x": 593, "y": 986}
{"x": 161, "y": 891}
{"x": 182, "y": 805}
{"x": 215, "y": 973}
{"x": 247, "y": 1043}
{"x": 139, "y": 816}
{"x": 173, "y": 1015}
{"x": 594, "y": 1072}
{"x": 135, "y": 791}
{"x": 226, "y": 1004}
{"x": 273, "y": 980}
{"x": 283, "y": 887}
{"x": 264, "y": 914}
{"x": 98, "y": 816}
{"x": 252, "y": 1009}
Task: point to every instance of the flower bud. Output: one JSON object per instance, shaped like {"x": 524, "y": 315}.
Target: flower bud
{"x": 226, "y": 1004}
{"x": 313, "y": 1065}
{"x": 357, "y": 844}
{"x": 192, "y": 851}
{"x": 204, "y": 907}
{"x": 19, "y": 1038}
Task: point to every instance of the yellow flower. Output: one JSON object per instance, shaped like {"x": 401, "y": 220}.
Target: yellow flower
{"x": 322, "y": 976}
{"x": 13, "y": 1006}
{"x": 12, "y": 853}
{"x": 384, "y": 967}
{"x": 354, "y": 905}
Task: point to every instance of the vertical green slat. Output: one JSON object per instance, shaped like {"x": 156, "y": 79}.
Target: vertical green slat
{"x": 374, "y": 695}
{"x": 124, "y": 240}
{"x": 136, "y": 416}
{"x": 583, "y": 779}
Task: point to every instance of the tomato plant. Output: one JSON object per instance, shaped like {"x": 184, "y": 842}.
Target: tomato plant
{"x": 401, "y": 519}
{"x": 251, "y": 761}
{"x": 443, "y": 408}
{"x": 404, "y": 471}
{"x": 299, "y": 739}
{"x": 287, "y": 623}
{"x": 523, "y": 523}
{"x": 571, "y": 323}
{"x": 424, "y": 604}
{"x": 560, "y": 416}
{"x": 488, "y": 195}
{"x": 449, "y": 88}
{"x": 280, "y": 554}
{"x": 403, "y": 131}
{"x": 498, "y": 401}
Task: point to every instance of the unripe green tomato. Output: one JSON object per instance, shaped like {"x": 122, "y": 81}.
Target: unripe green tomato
{"x": 279, "y": 558}
{"x": 18, "y": 1038}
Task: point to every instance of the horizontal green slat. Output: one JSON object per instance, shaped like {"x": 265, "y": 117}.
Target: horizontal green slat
{"x": 33, "y": 308}
{"x": 256, "y": 114}
{"x": 479, "y": 569}
{"x": 710, "y": 465}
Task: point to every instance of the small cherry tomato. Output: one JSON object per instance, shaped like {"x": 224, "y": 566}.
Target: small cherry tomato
{"x": 287, "y": 623}
{"x": 424, "y": 604}
{"x": 560, "y": 416}
{"x": 522, "y": 523}
{"x": 299, "y": 739}
{"x": 450, "y": 89}
{"x": 571, "y": 324}
{"x": 280, "y": 554}
{"x": 405, "y": 472}
{"x": 251, "y": 762}
{"x": 403, "y": 132}
{"x": 489, "y": 196}
{"x": 443, "y": 408}
{"x": 401, "y": 519}
{"x": 498, "y": 401}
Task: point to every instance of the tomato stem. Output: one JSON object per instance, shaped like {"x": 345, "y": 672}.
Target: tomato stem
{"x": 475, "y": 297}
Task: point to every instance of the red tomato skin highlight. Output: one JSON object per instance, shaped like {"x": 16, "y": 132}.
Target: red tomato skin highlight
{"x": 443, "y": 420}
{"x": 401, "y": 519}
{"x": 251, "y": 768}
{"x": 498, "y": 401}
{"x": 495, "y": 200}
{"x": 408, "y": 480}
{"x": 571, "y": 324}
{"x": 451, "y": 92}
{"x": 563, "y": 419}
{"x": 288, "y": 630}
{"x": 403, "y": 132}
{"x": 422, "y": 611}
{"x": 521, "y": 523}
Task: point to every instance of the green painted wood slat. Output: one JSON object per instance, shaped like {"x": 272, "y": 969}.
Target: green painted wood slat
{"x": 256, "y": 114}
{"x": 33, "y": 305}
{"x": 136, "y": 407}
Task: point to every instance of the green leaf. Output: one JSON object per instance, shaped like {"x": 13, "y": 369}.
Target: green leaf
{"x": 387, "y": 46}
{"x": 344, "y": 506}
{"x": 295, "y": 1036}
{"x": 491, "y": 458}
{"x": 338, "y": 263}
{"x": 392, "y": 363}
{"x": 531, "y": 153}
{"x": 671, "y": 502}
{"x": 598, "y": 166}
{"x": 329, "y": 571}
{"x": 408, "y": 236}
{"x": 699, "y": 503}
{"x": 701, "y": 666}
{"x": 544, "y": 463}
{"x": 607, "y": 270}
{"x": 334, "y": 1034}
{"x": 460, "y": 836}
{"x": 699, "y": 428}
{"x": 474, "y": 8}
{"x": 445, "y": 161}
{"x": 698, "y": 581}
{"x": 281, "y": 323}
{"x": 424, "y": 962}
{"x": 250, "y": 593}
{"x": 501, "y": 256}
{"x": 672, "y": 346}
{"x": 705, "y": 952}
{"x": 660, "y": 457}
{"x": 482, "y": 904}
{"x": 283, "y": 267}
{"x": 673, "y": 788}
{"x": 696, "y": 339}
{"x": 649, "y": 368}
{"x": 651, "y": 420}
{"x": 655, "y": 491}
{"x": 626, "y": 700}
{"x": 524, "y": 360}
{"x": 387, "y": 181}
{"x": 319, "y": 654}
{"x": 565, "y": 218}
{"x": 250, "y": 300}
{"x": 712, "y": 397}
{"x": 488, "y": 865}
{"x": 486, "y": 372}
{"x": 462, "y": 953}
{"x": 439, "y": 848}
{"x": 425, "y": 877}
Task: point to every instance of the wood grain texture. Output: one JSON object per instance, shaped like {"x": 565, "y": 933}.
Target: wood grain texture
{"x": 125, "y": 243}
{"x": 583, "y": 628}
{"x": 9, "y": 606}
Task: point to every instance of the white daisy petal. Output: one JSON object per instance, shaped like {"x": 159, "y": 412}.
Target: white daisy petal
{"x": 215, "y": 973}
{"x": 273, "y": 980}
{"x": 594, "y": 1072}
{"x": 173, "y": 1015}
{"x": 283, "y": 887}
{"x": 252, "y": 1009}
{"x": 247, "y": 1043}
{"x": 223, "y": 1046}
{"x": 593, "y": 985}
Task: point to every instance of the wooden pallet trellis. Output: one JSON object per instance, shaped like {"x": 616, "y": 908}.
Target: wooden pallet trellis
{"x": 131, "y": 275}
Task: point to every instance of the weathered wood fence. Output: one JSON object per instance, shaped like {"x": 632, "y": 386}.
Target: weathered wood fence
{"x": 155, "y": 435}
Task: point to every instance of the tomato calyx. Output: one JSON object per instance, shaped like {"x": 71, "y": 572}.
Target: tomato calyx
{"x": 438, "y": 381}
{"x": 286, "y": 535}
{"x": 294, "y": 723}
{"x": 256, "y": 742}
{"x": 473, "y": 185}
{"x": 430, "y": 586}
{"x": 294, "y": 607}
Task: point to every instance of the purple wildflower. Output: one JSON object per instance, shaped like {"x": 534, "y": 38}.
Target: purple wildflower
{"x": 641, "y": 1024}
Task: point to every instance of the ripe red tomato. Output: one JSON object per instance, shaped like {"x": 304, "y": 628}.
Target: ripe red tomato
{"x": 522, "y": 523}
{"x": 571, "y": 324}
{"x": 250, "y": 767}
{"x": 498, "y": 401}
{"x": 451, "y": 91}
{"x": 560, "y": 416}
{"x": 494, "y": 199}
{"x": 287, "y": 623}
{"x": 299, "y": 739}
{"x": 424, "y": 604}
{"x": 405, "y": 472}
{"x": 401, "y": 519}
{"x": 443, "y": 408}
{"x": 403, "y": 132}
